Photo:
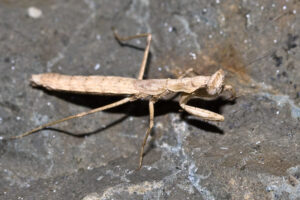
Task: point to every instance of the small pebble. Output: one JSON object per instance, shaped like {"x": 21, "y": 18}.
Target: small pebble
{"x": 97, "y": 66}
{"x": 193, "y": 55}
{"x": 92, "y": 196}
{"x": 98, "y": 37}
{"x": 99, "y": 178}
{"x": 284, "y": 7}
{"x": 34, "y": 12}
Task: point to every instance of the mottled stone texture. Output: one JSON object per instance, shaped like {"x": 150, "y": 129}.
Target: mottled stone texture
{"x": 254, "y": 154}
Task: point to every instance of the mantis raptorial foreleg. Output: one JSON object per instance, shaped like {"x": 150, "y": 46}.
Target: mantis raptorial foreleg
{"x": 201, "y": 113}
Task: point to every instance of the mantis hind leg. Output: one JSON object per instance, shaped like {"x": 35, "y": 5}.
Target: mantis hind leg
{"x": 106, "y": 107}
{"x": 146, "y": 51}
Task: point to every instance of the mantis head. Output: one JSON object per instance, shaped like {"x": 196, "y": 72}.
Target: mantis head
{"x": 215, "y": 84}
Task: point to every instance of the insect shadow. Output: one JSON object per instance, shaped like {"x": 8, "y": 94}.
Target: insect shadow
{"x": 140, "y": 108}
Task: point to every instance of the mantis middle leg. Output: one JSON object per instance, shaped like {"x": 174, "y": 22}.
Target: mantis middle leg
{"x": 140, "y": 77}
{"x": 146, "y": 52}
{"x": 151, "y": 122}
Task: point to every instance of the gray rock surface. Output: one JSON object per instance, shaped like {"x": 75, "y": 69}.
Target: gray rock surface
{"x": 254, "y": 154}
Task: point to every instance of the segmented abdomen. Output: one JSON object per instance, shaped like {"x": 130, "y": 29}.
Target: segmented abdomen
{"x": 107, "y": 85}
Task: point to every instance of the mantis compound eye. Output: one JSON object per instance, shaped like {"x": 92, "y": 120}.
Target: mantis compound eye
{"x": 216, "y": 83}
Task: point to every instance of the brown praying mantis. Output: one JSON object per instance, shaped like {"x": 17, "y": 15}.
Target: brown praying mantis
{"x": 134, "y": 89}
